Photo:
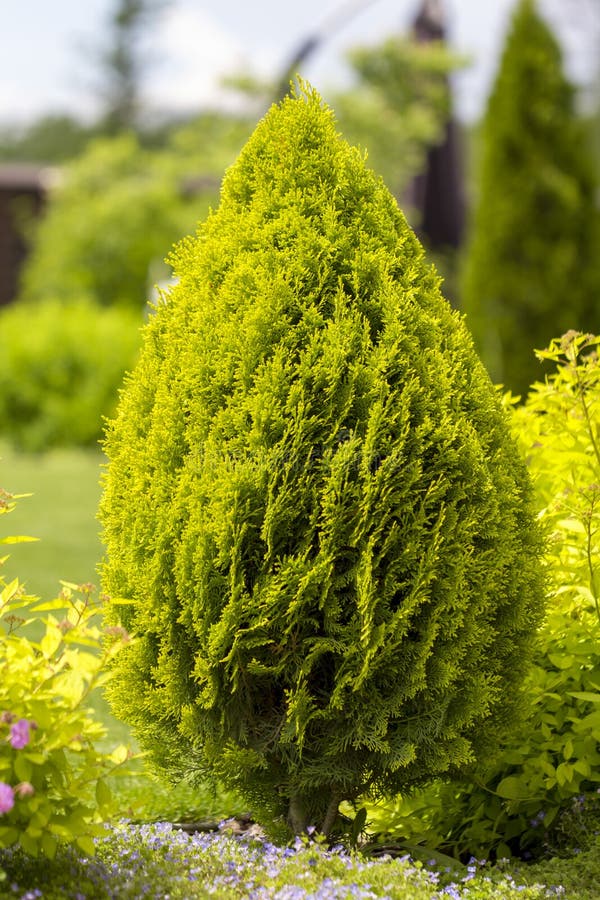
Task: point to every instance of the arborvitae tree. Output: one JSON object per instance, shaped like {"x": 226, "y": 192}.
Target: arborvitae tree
{"x": 312, "y": 502}
{"x": 533, "y": 266}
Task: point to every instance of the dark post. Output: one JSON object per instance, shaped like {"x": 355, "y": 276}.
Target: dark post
{"x": 438, "y": 194}
{"x": 22, "y": 197}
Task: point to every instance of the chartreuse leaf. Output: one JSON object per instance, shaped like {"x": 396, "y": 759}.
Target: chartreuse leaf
{"x": 103, "y": 793}
{"x": 17, "y": 539}
{"x": 588, "y": 696}
{"x": 512, "y": 788}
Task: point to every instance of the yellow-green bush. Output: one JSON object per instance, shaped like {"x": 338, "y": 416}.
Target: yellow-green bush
{"x": 52, "y": 774}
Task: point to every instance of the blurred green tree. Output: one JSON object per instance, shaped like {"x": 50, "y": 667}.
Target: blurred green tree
{"x": 49, "y": 139}
{"x": 532, "y": 268}
{"x": 121, "y": 207}
{"x": 398, "y": 107}
{"x": 118, "y": 209}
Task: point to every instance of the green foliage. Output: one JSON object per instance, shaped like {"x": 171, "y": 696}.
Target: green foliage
{"x": 60, "y": 368}
{"x": 312, "y": 501}
{"x": 510, "y": 808}
{"x": 532, "y": 269}
{"x": 399, "y": 106}
{"x": 119, "y": 210}
{"x": 575, "y": 878}
{"x": 577, "y": 827}
{"x": 50, "y": 139}
{"x": 558, "y": 429}
{"x": 206, "y": 146}
{"x": 52, "y": 776}
{"x": 517, "y": 804}
{"x": 555, "y": 759}
{"x": 412, "y": 820}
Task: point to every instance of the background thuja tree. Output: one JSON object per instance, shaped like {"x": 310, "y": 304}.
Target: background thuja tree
{"x": 532, "y": 269}
{"x": 312, "y": 500}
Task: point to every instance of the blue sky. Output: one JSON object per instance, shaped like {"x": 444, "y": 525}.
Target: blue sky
{"x": 46, "y": 63}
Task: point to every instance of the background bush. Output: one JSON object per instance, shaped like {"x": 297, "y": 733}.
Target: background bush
{"x": 116, "y": 214}
{"x": 313, "y": 501}
{"x": 60, "y": 369}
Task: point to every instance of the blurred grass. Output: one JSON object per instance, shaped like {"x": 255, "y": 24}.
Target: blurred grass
{"x": 65, "y": 489}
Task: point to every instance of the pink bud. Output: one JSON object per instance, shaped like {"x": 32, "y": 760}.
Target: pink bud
{"x": 24, "y": 789}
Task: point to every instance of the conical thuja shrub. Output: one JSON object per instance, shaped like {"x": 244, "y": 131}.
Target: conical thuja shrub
{"x": 312, "y": 502}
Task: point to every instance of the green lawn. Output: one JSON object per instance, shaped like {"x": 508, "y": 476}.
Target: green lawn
{"x": 65, "y": 488}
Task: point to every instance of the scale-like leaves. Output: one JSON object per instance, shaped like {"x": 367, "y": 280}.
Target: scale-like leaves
{"x": 312, "y": 498}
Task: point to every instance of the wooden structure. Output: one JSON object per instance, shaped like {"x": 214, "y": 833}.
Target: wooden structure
{"x": 23, "y": 189}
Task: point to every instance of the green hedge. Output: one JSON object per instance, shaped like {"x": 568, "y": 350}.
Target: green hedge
{"x": 61, "y": 366}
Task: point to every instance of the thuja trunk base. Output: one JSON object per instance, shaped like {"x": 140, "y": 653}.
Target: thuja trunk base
{"x": 299, "y": 816}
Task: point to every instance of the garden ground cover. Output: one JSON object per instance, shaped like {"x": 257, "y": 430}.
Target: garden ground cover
{"x": 155, "y": 861}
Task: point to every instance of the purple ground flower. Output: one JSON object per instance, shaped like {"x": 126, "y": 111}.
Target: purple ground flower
{"x": 451, "y": 891}
{"x": 7, "y": 798}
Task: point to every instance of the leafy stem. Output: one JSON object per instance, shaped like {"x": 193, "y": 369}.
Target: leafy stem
{"x": 590, "y": 562}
